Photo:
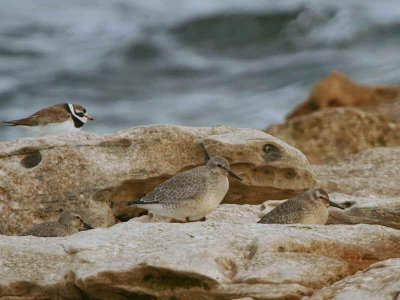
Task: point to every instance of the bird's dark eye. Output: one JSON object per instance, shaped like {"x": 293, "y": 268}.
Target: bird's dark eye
{"x": 77, "y": 217}
{"x": 80, "y": 114}
{"x": 84, "y": 111}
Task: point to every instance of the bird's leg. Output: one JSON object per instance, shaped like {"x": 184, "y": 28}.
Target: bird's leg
{"x": 176, "y": 221}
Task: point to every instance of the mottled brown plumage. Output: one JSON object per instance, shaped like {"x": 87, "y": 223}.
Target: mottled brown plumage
{"x": 190, "y": 195}
{"x": 68, "y": 223}
{"x": 51, "y": 114}
{"x": 308, "y": 208}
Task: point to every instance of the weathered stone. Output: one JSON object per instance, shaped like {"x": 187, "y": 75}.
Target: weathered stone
{"x": 372, "y": 172}
{"x": 86, "y": 172}
{"x": 366, "y": 184}
{"x": 329, "y": 135}
{"x": 339, "y": 90}
{"x": 379, "y": 281}
{"x": 378, "y": 210}
{"x": 263, "y": 164}
{"x": 201, "y": 260}
{"x": 232, "y": 213}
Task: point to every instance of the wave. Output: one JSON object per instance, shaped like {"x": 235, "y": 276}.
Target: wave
{"x": 235, "y": 62}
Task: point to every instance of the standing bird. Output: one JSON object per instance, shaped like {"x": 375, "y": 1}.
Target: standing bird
{"x": 68, "y": 223}
{"x": 55, "y": 119}
{"x": 190, "y": 195}
{"x": 308, "y": 208}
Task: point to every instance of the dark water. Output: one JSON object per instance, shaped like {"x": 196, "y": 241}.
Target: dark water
{"x": 192, "y": 62}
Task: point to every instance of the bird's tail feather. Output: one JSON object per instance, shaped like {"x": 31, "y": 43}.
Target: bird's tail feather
{"x": 9, "y": 123}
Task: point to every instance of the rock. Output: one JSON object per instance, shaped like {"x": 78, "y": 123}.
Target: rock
{"x": 200, "y": 260}
{"x": 372, "y": 172}
{"x": 378, "y": 210}
{"x": 86, "y": 173}
{"x": 359, "y": 210}
{"x": 366, "y": 184}
{"x": 232, "y": 213}
{"x": 329, "y": 135}
{"x": 379, "y": 281}
{"x": 339, "y": 90}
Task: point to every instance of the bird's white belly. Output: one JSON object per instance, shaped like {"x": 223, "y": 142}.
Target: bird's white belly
{"x": 193, "y": 209}
{"x": 202, "y": 207}
{"x": 52, "y": 128}
{"x": 319, "y": 216}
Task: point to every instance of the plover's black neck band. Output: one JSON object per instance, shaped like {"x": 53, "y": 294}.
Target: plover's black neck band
{"x": 77, "y": 122}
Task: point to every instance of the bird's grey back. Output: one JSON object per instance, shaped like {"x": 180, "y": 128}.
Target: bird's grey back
{"x": 290, "y": 211}
{"x": 50, "y": 229}
{"x": 183, "y": 186}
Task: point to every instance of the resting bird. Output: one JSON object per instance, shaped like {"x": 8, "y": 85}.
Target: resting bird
{"x": 67, "y": 224}
{"x": 308, "y": 208}
{"x": 190, "y": 195}
{"x": 55, "y": 119}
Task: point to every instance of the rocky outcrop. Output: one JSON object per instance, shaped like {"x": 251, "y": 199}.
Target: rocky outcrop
{"x": 379, "y": 281}
{"x": 378, "y": 210}
{"x": 201, "y": 260}
{"x": 372, "y": 172}
{"x": 366, "y": 184}
{"x": 86, "y": 173}
{"x": 381, "y": 210}
{"x": 339, "y": 90}
{"x": 229, "y": 256}
{"x": 329, "y": 135}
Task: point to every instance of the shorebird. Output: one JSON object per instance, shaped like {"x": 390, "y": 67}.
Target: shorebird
{"x": 308, "y": 208}
{"x": 55, "y": 119}
{"x": 190, "y": 195}
{"x": 67, "y": 224}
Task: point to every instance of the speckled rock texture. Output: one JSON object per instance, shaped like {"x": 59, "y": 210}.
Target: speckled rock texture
{"x": 87, "y": 173}
{"x": 331, "y": 134}
{"x": 380, "y": 281}
{"x": 381, "y": 210}
{"x": 372, "y": 172}
{"x": 201, "y": 260}
{"x": 378, "y": 210}
{"x": 229, "y": 256}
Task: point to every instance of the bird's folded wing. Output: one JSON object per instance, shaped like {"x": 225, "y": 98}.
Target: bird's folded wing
{"x": 44, "y": 229}
{"x": 290, "y": 209}
{"x": 52, "y": 114}
{"x": 184, "y": 186}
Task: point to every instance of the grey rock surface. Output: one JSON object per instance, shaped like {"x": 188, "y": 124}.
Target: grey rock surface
{"x": 86, "y": 173}
{"x": 201, "y": 260}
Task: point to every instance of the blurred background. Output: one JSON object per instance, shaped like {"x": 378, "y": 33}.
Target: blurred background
{"x": 187, "y": 62}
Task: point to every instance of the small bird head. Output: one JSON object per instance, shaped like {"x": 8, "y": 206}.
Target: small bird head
{"x": 322, "y": 196}
{"x": 70, "y": 219}
{"x": 79, "y": 112}
{"x": 220, "y": 165}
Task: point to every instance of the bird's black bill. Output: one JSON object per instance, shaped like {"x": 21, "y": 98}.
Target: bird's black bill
{"x": 331, "y": 203}
{"x": 87, "y": 226}
{"x": 133, "y": 202}
{"x": 234, "y": 175}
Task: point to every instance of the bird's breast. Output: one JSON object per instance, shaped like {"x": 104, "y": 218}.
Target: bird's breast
{"x": 218, "y": 189}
